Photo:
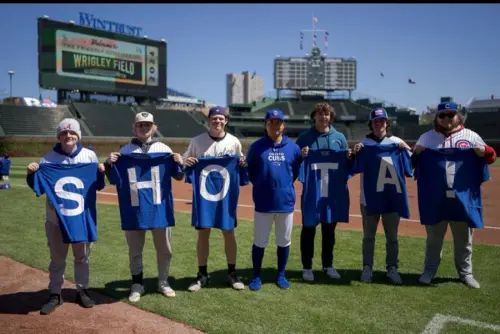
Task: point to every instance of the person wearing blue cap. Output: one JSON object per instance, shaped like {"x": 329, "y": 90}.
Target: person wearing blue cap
{"x": 379, "y": 124}
{"x": 322, "y": 135}
{"x": 449, "y": 132}
{"x": 273, "y": 166}
{"x": 216, "y": 142}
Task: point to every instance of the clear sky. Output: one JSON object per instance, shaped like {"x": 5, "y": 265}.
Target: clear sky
{"x": 448, "y": 50}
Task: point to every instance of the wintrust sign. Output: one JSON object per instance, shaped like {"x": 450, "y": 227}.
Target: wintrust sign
{"x": 90, "y": 20}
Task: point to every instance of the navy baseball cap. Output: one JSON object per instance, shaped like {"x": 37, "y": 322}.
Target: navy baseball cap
{"x": 447, "y": 106}
{"x": 378, "y": 113}
{"x": 275, "y": 114}
{"x": 217, "y": 110}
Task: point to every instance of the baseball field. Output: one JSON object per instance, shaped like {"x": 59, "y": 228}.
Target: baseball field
{"x": 344, "y": 306}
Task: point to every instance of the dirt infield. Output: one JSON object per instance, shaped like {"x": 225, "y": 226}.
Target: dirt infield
{"x": 491, "y": 192}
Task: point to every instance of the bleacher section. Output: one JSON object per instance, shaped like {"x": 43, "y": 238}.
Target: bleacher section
{"x": 176, "y": 123}
{"x": 24, "y": 120}
{"x": 484, "y": 123}
{"x": 106, "y": 119}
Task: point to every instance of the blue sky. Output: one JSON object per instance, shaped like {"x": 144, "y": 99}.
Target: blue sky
{"x": 449, "y": 50}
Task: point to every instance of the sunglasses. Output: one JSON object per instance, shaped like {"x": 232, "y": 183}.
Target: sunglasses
{"x": 443, "y": 115}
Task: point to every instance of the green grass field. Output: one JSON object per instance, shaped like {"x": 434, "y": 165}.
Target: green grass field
{"x": 324, "y": 306}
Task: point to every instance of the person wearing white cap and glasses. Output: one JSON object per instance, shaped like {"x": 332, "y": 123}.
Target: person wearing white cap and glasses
{"x": 144, "y": 129}
{"x": 67, "y": 151}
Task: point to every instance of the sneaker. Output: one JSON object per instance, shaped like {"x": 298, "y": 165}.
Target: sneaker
{"x": 282, "y": 282}
{"x": 55, "y": 300}
{"x": 425, "y": 278}
{"x": 470, "y": 281}
{"x": 332, "y": 272}
{"x": 366, "y": 274}
{"x": 166, "y": 290}
{"x": 392, "y": 274}
{"x": 255, "y": 284}
{"x": 83, "y": 298}
{"x": 136, "y": 290}
{"x": 307, "y": 275}
{"x": 235, "y": 282}
{"x": 201, "y": 282}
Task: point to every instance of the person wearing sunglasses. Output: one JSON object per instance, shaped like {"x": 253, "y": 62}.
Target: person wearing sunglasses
{"x": 449, "y": 132}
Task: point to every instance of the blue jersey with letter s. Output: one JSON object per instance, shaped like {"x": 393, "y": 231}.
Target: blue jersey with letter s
{"x": 71, "y": 189}
{"x": 384, "y": 169}
{"x": 216, "y": 188}
{"x": 325, "y": 194}
{"x": 449, "y": 186}
{"x": 144, "y": 187}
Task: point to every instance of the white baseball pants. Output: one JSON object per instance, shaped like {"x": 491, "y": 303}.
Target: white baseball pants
{"x": 282, "y": 228}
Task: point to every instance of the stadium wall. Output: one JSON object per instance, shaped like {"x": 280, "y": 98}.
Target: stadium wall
{"x": 36, "y": 146}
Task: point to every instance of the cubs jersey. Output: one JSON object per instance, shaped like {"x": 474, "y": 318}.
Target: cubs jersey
{"x": 216, "y": 187}
{"x": 144, "y": 187}
{"x": 325, "y": 195}
{"x": 384, "y": 168}
{"x": 449, "y": 186}
{"x": 463, "y": 138}
{"x": 71, "y": 189}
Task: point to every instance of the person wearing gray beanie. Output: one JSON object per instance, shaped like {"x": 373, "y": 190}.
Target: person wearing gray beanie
{"x": 69, "y": 124}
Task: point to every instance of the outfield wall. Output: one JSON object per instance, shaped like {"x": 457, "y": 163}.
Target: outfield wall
{"x": 35, "y": 146}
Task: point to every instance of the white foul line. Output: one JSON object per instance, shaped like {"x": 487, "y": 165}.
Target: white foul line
{"x": 439, "y": 321}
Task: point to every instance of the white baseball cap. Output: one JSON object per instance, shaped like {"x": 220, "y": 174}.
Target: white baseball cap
{"x": 144, "y": 117}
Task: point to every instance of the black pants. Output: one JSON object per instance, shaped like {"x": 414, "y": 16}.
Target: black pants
{"x": 327, "y": 242}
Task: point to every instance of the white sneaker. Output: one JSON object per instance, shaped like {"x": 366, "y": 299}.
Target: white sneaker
{"x": 166, "y": 290}
{"x": 471, "y": 282}
{"x": 136, "y": 290}
{"x": 425, "y": 278}
{"x": 307, "y": 275}
{"x": 392, "y": 274}
{"x": 366, "y": 274}
{"x": 332, "y": 273}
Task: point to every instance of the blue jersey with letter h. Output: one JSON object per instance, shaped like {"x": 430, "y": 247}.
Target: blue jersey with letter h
{"x": 449, "y": 186}
{"x": 71, "y": 189}
{"x": 216, "y": 187}
{"x": 325, "y": 194}
{"x": 144, "y": 187}
{"x": 384, "y": 169}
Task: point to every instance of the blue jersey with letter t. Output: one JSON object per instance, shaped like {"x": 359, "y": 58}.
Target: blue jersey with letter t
{"x": 144, "y": 187}
{"x": 216, "y": 187}
{"x": 325, "y": 195}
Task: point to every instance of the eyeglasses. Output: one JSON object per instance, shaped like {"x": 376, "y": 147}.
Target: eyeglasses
{"x": 443, "y": 115}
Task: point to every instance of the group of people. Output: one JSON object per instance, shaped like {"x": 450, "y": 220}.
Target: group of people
{"x": 273, "y": 163}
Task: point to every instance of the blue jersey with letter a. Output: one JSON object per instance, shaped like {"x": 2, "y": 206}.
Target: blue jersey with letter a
{"x": 449, "y": 186}
{"x": 216, "y": 187}
{"x": 384, "y": 169}
{"x": 325, "y": 195}
{"x": 144, "y": 190}
{"x": 71, "y": 189}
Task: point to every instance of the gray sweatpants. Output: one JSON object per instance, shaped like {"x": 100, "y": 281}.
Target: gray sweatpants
{"x": 162, "y": 241}
{"x": 462, "y": 245}
{"x": 58, "y": 252}
{"x": 390, "y": 221}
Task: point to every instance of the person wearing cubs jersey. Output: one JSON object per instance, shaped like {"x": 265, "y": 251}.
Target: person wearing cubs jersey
{"x": 322, "y": 135}
{"x": 273, "y": 166}
{"x": 216, "y": 142}
{"x": 449, "y": 132}
{"x": 144, "y": 129}
{"x": 67, "y": 151}
{"x": 378, "y": 124}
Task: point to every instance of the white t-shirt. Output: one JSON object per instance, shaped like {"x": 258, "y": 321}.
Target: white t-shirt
{"x": 204, "y": 146}
{"x": 157, "y": 147}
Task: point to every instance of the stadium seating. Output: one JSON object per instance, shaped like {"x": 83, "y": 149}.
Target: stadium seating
{"x": 176, "y": 123}
{"x": 107, "y": 119}
{"x": 484, "y": 123}
{"x": 24, "y": 120}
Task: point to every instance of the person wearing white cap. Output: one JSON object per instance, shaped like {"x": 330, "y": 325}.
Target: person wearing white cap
{"x": 67, "y": 151}
{"x": 144, "y": 129}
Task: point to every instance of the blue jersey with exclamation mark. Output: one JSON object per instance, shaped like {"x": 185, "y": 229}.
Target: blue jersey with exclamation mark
{"x": 449, "y": 186}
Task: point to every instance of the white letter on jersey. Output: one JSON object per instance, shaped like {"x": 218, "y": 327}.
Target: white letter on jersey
{"x": 153, "y": 184}
{"x": 323, "y": 168}
{"x": 70, "y": 196}
{"x": 203, "y": 183}
{"x": 386, "y": 164}
{"x": 450, "y": 178}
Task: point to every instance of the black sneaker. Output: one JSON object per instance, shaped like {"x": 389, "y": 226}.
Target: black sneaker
{"x": 83, "y": 298}
{"x": 235, "y": 282}
{"x": 201, "y": 282}
{"x": 54, "y": 302}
